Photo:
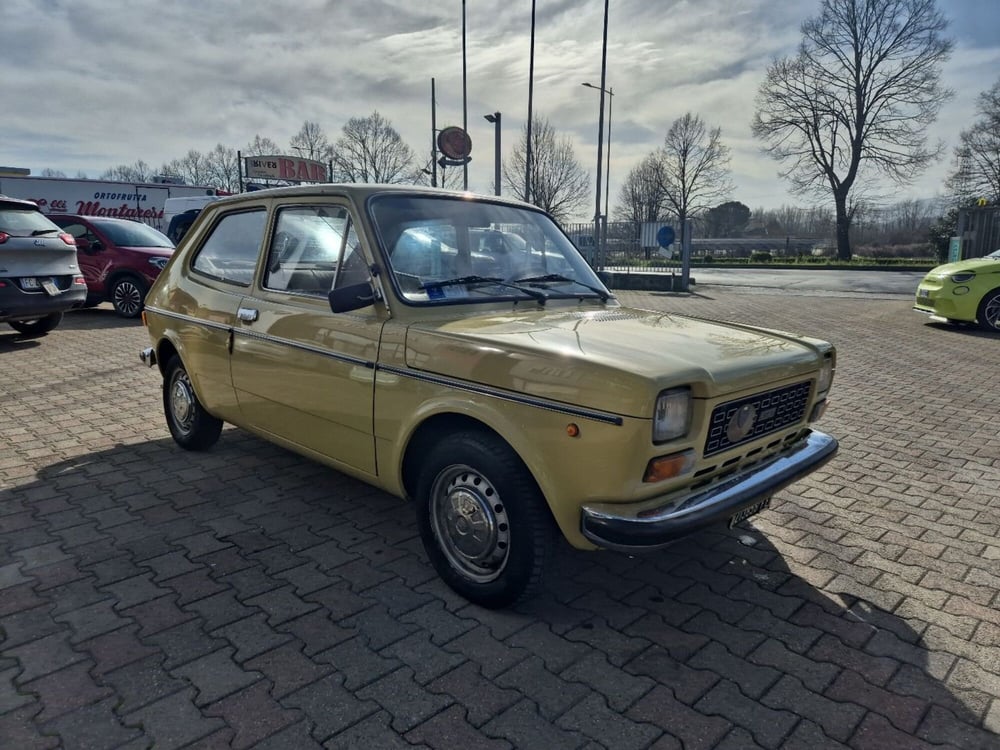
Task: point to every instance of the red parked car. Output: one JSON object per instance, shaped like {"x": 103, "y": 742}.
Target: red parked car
{"x": 119, "y": 258}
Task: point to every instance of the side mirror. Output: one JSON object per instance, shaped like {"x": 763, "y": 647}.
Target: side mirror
{"x": 353, "y": 297}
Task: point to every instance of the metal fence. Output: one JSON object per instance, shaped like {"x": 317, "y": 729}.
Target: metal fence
{"x": 626, "y": 251}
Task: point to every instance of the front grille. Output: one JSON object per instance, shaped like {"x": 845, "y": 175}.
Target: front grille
{"x": 746, "y": 419}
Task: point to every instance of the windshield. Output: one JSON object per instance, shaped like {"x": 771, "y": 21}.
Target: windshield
{"x": 133, "y": 234}
{"x": 994, "y": 254}
{"x": 452, "y": 249}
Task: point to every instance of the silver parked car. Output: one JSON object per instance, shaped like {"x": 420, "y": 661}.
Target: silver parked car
{"x": 39, "y": 275}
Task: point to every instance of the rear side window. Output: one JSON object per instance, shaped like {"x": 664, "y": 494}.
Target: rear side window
{"x": 230, "y": 252}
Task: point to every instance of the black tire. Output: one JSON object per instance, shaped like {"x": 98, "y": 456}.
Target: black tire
{"x": 988, "y": 315}
{"x": 38, "y": 327}
{"x": 127, "y": 295}
{"x": 483, "y": 520}
{"x": 192, "y": 427}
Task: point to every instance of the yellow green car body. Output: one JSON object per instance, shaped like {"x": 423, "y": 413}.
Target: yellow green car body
{"x": 967, "y": 291}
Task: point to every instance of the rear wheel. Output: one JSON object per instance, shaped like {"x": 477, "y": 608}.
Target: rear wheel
{"x": 37, "y": 327}
{"x": 989, "y": 312}
{"x": 127, "y": 296}
{"x": 483, "y": 520}
{"x": 192, "y": 427}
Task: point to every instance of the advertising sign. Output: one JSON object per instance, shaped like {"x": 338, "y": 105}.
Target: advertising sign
{"x": 285, "y": 168}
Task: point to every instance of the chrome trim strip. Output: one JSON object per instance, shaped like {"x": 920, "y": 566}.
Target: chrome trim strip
{"x": 190, "y": 319}
{"x": 595, "y": 416}
{"x": 367, "y": 363}
{"x": 644, "y": 526}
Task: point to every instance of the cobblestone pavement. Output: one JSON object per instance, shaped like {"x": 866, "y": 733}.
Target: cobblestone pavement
{"x": 247, "y": 597}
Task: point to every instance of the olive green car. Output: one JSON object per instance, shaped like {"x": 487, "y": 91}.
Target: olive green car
{"x": 457, "y": 351}
{"x": 967, "y": 291}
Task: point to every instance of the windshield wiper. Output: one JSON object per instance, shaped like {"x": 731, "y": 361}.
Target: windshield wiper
{"x": 38, "y": 232}
{"x": 533, "y": 293}
{"x": 554, "y": 277}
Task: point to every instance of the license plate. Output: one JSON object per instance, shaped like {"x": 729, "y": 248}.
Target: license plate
{"x": 750, "y": 510}
{"x": 924, "y": 293}
{"x": 30, "y": 282}
{"x": 51, "y": 289}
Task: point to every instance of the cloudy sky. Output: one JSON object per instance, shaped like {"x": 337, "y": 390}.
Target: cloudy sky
{"x": 90, "y": 84}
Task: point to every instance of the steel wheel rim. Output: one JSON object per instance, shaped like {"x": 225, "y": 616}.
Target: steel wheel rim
{"x": 992, "y": 313}
{"x": 470, "y": 523}
{"x": 182, "y": 402}
{"x": 128, "y": 298}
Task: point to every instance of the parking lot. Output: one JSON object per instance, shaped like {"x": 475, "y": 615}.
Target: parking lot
{"x": 247, "y": 597}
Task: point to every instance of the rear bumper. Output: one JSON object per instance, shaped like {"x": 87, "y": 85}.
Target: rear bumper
{"x": 647, "y": 525}
{"x": 18, "y": 305}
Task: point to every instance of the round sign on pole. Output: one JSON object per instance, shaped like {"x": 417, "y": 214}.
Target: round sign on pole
{"x": 665, "y": 236}
{"x": 454, "y": 143}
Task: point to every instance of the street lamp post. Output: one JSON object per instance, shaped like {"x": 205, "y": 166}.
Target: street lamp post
{"x": 607, "y": 173}
{"x": 495, "y": 119}
{"x": 600, "y": 135}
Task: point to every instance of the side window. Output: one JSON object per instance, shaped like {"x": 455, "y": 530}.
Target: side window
{"x": 230, "y": 252}
{"x": 354, "y": 268}
{"x": 79, "y": 231}
{"x": 305, "y": 250}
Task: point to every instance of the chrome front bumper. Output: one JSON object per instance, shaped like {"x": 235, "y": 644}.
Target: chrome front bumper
{"x": 646, "y": 525}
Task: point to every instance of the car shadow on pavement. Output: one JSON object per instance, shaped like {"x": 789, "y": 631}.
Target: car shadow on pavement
{"x": 965, "y": 329}
{"x": 145, "y": 554}
{"x": 14, "y": 340}
{"x": 102, "y": 316}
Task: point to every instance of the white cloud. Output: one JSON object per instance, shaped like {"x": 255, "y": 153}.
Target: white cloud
{"x": 89, "y": 84}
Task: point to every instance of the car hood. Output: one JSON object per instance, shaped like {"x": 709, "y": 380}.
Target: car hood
{"x": 616, "y": 359}
{"x": 987, "y": 265}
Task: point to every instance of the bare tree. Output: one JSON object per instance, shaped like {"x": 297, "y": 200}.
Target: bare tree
{"x": 261, "y": 146}
{"x": 371, "y": 150}
{"x": 194, "y": 168}
{"x": 52, "y": 173}
{"x": 137, "y": 172}
{"x": 311, "y": 142}
{"x": 557, "y": 182}
{"x": 977, "y": 156}
{"x": 861, "y": 91}
{"x": 641, "y": 198}
{"x": 693, "y": 167}
{"x": 223, "y": 168}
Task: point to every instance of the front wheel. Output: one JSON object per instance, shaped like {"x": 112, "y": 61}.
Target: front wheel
{"x": 988, "y": 315}
{"x": 192, "y": 427}
{"x": 128, "y": 295}
{"x": 483, "y": 520}
{"x": 38, "y": 327}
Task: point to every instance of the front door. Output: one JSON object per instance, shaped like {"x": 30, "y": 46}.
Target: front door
{"x": 301, "y": 372}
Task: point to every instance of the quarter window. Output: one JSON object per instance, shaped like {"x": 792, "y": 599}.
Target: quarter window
{"x": 230, "y": 252}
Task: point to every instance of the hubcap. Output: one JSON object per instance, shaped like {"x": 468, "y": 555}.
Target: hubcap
{"x": 127, "y": 298}
{"x": 182, "y": 403}
{"x": 470, "y": 523}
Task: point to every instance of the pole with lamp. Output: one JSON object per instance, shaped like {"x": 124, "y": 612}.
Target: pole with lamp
{"x": 531, "y": 91}
{"x": 607, "y": 174}
{"x": 600, "y": 135}
{"x": 465, "y": 103}
{"x": 495, "y": 119}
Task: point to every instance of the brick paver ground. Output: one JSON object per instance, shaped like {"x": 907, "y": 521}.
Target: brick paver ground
{"x": 247, "y": 597}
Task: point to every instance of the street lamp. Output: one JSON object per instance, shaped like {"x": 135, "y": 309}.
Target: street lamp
{"x": 607, "y": 173}
{"x": 495, "y": 119}
{"x": 600, "y": 134}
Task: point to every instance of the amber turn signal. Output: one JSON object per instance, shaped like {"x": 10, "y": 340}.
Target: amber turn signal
{"x": 572, "y": 430}
{"x": 668, "y": 467}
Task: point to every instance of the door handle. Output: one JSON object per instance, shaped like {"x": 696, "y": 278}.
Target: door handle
{"x": 247, "y": 314}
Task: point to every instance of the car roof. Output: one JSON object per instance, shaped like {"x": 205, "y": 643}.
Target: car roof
{"x": 360, "y": 192}
{"x": 8, "y": 202}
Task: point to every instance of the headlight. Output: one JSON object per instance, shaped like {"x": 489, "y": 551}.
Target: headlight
{"x": 159, "y": 262}
{"x": 962, "y": 276}
{"x": 673, "y": 414}
{"x": 825, "y": 379}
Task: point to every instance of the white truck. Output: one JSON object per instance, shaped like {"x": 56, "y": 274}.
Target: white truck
{"x": 139, "y": 201}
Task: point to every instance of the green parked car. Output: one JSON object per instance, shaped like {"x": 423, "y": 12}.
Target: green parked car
{"x": 967, "y": 292}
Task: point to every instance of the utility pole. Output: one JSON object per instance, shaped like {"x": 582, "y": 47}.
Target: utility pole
{"x": 600, "y": 140}
{"x": 434, "y": 165}
{"x": 531, "y": 87}
{"x": 465, "y": 103}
